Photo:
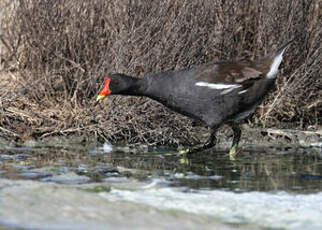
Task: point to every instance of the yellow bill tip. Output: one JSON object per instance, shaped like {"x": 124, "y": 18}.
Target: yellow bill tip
{"x": 100, "y": 97}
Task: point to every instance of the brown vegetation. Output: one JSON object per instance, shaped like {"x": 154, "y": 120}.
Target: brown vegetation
{"x": 58, "y": 54}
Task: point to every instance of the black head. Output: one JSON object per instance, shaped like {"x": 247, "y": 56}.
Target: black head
{"x": 117, "y": 84}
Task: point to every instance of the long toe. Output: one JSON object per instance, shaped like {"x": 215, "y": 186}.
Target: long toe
{"x": 184, "y": 151}
{"x": 192, "y": 150}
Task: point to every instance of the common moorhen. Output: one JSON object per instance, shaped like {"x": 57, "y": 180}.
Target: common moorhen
{"x": 216, "y": 93}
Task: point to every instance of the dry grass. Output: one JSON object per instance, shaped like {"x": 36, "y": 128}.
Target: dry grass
{"x": 59, "y": 53}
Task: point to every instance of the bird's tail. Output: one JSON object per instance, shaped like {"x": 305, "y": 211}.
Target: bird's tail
{"x": 277, "y": 58}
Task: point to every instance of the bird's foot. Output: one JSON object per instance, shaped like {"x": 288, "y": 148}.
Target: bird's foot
{"x": 184, "y": 151}
{"x": 211, "y": 142}
{"x": 234, "y": 151}
{"x": 192, "y": 150}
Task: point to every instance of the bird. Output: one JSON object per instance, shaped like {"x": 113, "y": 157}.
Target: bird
{"x": 217, "y": 93}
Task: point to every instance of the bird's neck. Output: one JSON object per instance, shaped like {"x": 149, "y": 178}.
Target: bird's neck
{"x": 151, "y": 86}
{"x": 137, "y": 87}
{"x": 148, "y": 86}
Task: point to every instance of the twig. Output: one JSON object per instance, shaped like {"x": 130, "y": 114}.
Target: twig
{"x": 8, "y": 131}
{"x": 288, "y": 132}
{"x": 76, "y": 65}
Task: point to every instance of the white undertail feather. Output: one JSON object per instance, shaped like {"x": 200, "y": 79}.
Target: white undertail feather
{"x": 276, "y": 63}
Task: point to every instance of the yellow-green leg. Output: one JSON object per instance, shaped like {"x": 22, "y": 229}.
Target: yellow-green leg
{"x": 211, "y": 142}
{"x": 234, "y": 148}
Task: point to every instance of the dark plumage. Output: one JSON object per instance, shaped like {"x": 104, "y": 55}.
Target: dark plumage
{"x": 216, "y": 93}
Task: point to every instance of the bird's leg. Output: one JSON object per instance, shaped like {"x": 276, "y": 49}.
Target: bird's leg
{"x": 211, "y": 142}
{"x": 234, "y": 148}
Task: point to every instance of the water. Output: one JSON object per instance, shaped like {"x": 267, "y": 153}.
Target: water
{"x": 92, "y": 186}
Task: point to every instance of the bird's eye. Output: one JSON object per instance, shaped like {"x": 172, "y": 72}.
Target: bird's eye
{"x": 116, "y": 82}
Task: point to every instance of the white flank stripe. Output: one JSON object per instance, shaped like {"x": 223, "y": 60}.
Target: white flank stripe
{"x": 217, "y": 86}
{"x": 243, "y": 91}
{"x": 226, "y": 91}
{"x": 276, "y": 63}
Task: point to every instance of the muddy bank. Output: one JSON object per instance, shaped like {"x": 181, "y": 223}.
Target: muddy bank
{"x": 257, "y": 137}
